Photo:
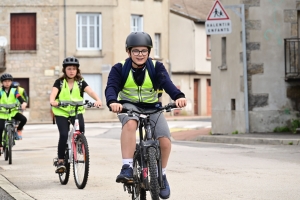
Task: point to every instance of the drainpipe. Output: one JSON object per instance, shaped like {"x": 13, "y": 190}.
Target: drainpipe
{"x": 65, "y": 30}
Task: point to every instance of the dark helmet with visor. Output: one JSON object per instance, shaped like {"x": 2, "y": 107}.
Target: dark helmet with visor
{"x": 70, "y": 61}
{"x": 6, "y": 77}
{"x": 137, "y": 39}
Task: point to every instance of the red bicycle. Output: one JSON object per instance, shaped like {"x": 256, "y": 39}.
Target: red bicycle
{"x": 77, "y": 151}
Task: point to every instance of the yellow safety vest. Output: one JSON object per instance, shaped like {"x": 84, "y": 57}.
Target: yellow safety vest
{"x": 137, "y": 94}
{"x": 21, "y": 92}
{"x": 9, "y": 100}
{"x": 66, "y": 96}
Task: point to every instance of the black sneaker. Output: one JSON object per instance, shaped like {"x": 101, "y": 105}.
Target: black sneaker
{"x": 165, "y": 192}
{"x": 60, "y": 167}
{"x": 126, "y": 174}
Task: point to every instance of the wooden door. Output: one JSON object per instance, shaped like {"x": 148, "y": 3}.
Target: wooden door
{"x": 196, "y": 89}
{"x": 208, "y": 97}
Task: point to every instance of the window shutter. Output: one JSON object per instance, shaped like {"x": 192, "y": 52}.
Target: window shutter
{"x": 23, "y": 31}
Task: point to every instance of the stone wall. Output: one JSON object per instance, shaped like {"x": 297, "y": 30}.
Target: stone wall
{"x": 32, "y": 64}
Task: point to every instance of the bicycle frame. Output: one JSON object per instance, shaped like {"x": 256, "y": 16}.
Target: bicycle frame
{"x": 71, "y": 140}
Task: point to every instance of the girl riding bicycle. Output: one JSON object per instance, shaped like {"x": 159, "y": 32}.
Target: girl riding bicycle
{"x": 9, "y": 95}
{"x": 69, "y": 87}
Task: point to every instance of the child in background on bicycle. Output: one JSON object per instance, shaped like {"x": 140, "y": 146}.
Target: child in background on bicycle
{"x": 9, "y": 95}
{"x": 138, "y": 93}
{"x": 69, "y": 87}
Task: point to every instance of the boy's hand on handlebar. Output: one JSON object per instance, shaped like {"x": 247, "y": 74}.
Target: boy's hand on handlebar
{"x": 98, "y": 104}
{"x": 181, "y": 102}
{"x": 116, "y": 107}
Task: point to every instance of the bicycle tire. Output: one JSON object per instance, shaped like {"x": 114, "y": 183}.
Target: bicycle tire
{"x": 10, "y": 130}
{"x": 64, "y": 177}
{"x": 152, "y": 164}
{"x": 82, "y": 162}
{"x": 5, "y": 149}
{"x": 138, "y": 193}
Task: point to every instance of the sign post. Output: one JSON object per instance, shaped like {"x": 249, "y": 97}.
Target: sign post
{"x": 217, "y": 21}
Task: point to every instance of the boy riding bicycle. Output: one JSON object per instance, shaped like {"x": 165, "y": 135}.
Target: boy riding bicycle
{"x": 69, "y": 87}
{"x": 9, "y": 95}
{"x": 139, "y": 91}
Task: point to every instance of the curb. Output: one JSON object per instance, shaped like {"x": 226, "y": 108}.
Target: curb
{"x": 247, "y": 140}
{"x": 12, "y": 190}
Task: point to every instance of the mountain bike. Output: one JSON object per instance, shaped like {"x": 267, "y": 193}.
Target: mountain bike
{"x": 9, "y": 131}
{"x": 147, "y": 166}
{"x": 77, "y": 150}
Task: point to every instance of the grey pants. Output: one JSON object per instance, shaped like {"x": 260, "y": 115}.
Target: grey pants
{"x": 158, "y": 121}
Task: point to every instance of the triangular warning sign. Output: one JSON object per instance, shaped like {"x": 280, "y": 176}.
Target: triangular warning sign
{"x": 217, "y": 12}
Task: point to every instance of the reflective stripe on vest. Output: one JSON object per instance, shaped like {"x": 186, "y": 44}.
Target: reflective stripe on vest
{"x": 8, "y": 101}
{"x": 136, "y": 94}
{"x": 66, "y": 96}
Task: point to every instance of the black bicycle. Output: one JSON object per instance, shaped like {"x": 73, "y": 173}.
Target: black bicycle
{"x": 9, "y": 133}
{"x": 147, "y": 166}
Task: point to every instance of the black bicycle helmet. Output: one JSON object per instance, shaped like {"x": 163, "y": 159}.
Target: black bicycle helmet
{"x": 6, "y": 77}
{"x": 136, "y": 39}
{"x": 70, "y": 61}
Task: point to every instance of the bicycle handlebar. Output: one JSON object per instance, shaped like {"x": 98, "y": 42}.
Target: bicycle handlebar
{"x": 86, "y": 103}
{"x": 167, "y": 108}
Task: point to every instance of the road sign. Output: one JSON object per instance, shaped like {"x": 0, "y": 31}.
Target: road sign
{"x": 217, "y": 21}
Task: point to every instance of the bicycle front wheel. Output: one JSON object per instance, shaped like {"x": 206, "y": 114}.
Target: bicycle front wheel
{"x": 5, "y": 144}
{"x": 10, "y": 131}
{"x": 64, "y": 177}
{"x": 152, "y": 164}
{"x": 81, "y": 161}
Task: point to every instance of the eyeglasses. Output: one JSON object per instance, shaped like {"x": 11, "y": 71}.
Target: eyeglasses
{"x": 137, "y": 52}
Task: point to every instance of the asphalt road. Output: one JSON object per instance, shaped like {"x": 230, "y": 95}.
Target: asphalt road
{"x": 196, "y": 170}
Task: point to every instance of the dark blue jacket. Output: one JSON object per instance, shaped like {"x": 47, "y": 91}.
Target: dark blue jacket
{"x": 114, "y": 85}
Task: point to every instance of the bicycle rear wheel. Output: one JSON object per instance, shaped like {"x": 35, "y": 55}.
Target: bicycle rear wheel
{"x": 81, "y": 161}
{"x": 152, "y": 164}
{"x": 138, "y": 193}
{"x": 64, "y": 177}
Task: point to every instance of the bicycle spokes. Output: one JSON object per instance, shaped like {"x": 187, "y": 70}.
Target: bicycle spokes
{"x": 81, "y": 161}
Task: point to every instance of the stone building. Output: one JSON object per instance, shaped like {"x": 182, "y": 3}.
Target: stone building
{"x": 36, "y": 35}
{"x": 272, "y": 68}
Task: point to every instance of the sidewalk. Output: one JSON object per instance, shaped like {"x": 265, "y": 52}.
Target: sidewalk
{"x": 204, "y": 135}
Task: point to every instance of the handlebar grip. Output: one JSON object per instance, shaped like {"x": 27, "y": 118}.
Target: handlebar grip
{"x": 172, "y": 105}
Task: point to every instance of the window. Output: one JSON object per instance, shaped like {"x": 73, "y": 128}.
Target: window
{"x": 208, "y": 47}
{"x": 23, "y": 31}
{"x": 157, "y": 45}
{"x": 89, "y": 31}
{"x": 95, "y": 82}
{"x": 224, "y": 51}
{"x": 136, "y": 23}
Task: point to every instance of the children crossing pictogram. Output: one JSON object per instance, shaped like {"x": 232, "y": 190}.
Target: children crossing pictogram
{"x": 217, "y": 12}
